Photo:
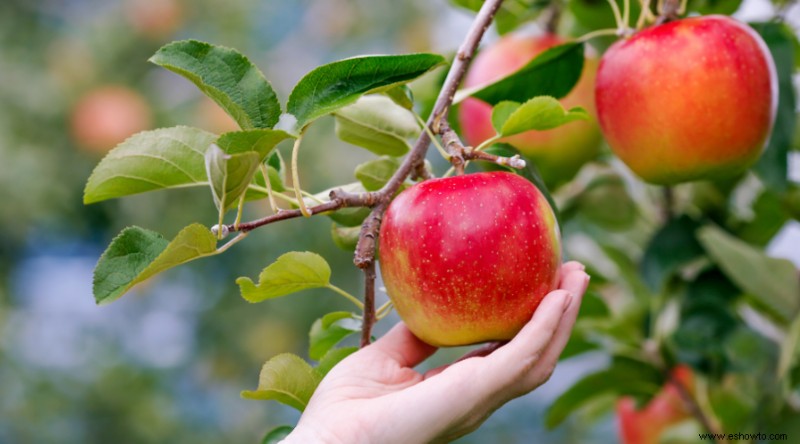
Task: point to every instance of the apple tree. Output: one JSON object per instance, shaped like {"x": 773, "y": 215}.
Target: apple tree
{"x": 671, "y": 214}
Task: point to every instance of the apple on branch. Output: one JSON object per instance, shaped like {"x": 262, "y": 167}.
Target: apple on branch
{"x": 467, "y": 259}
{"x": 691, "y": 99}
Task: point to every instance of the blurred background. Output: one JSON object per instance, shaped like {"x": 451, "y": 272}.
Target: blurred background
{"x": 166, "y": 363}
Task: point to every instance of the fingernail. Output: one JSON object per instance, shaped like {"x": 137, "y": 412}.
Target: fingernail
{"x": 567, "y": 300}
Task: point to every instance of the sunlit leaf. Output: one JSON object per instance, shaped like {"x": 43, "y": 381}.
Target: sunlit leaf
{"x": 151, "y": 160}
{"x": 288, "y": 379}
{"x": 137, "y": 254}
{"x": 227, "y": 77}
{"x": 539, "y": 113}
{"x": 290, "y": 273}
{"x": 338, "y": 84}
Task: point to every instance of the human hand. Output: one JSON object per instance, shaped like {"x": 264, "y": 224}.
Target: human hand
{"x": 376, "y": 396}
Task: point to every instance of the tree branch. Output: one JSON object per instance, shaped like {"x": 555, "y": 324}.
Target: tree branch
{"x": 369, "y": 305}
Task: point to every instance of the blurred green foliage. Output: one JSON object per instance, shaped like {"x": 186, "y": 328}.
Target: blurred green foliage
{"x": 167, "y": 362}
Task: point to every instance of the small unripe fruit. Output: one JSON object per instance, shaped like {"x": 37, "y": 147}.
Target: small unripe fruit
{"x": 107, "y": 116}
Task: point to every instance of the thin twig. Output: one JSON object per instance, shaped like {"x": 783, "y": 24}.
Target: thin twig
{"x": 669, "y": 10}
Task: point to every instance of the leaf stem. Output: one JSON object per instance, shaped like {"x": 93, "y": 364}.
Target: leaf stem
{"x": 311, "y": 196}
{"x": 270, "y": 194}
{"x": 384, "y": 310}
{"x": 433, "y": 138}
{"x": 221, "y": 218}
{"x": 232, "y": 242}
{"x": 617, "y": 14}
{"x": 598, "y": 33}
{"x": 626, "y": 15}
{"x": 347, "y": 295}
{"x": 488, "y": 142}
{"x": 296, "y": 179}
{"x": 239, "y": 210}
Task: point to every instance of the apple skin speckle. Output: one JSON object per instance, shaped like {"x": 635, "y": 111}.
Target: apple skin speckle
{"x": 467, "y": 259}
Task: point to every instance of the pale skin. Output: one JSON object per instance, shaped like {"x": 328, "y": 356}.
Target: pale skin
{"x": 376, "y": 396}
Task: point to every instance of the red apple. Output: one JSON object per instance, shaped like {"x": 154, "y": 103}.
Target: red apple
{"x": 558, "y": 153}
{"x": 467, "y": 259}
{"x": 691, "y": 99}
{"x": 666, "y": 409}
{"x": 108, "y": 115}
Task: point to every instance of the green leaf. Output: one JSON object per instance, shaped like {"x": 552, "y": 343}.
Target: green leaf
{"x": 329, "y": 330}
{"x": 773, "y": 165}
{"x": 774, "y": 282}
{"x": 377, "y": 124}
{"x": 401, "y": 95}
{"x": 227, "y": 77}
{"x": 769, "y": 217}
{"x": 229, "y": 175}
{"x": 333, "y": 357}
{"x": 151, "y": 160}
{"x": 554, "y": 72}
{"x": 501, "y": 112}
{"x": 288, "y": 379}
{"x": 345, "y": 238}
{"x": 292, "y": 272}
{"x": 277, "y": 434}
{"x": 790, "y": 349}
{"x": 606, "y": 203}
{"x": 261, "y": 141}
{"x": 540, "y": 113}
{"x": 625, "y": 376}
{"x": 375, "y": 173}
{"x": 137, "y": 254}
{"x": 672, "y": 247}
{"x": 338, "y": 84}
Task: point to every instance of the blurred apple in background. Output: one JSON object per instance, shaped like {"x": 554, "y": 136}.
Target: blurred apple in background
{"x": 666, "y": 409}
{"x": 558, "y": 153}
{"x": 156, "y": 19}
{"x": 210, "y": 117}
{"x": 107, "y": 115}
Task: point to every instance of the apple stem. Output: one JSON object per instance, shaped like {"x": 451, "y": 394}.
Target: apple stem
{"x": 369, "y": 305}
{"x": 668, "y": 208}
{"x": 553, "y": 18}
{"x": 694, "y": 408}
{"x": 669, "y": 10}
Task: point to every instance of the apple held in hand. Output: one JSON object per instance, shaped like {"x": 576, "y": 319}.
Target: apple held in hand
{"x": 666, "y": 409}
{"x": 558, "y": 153}
{"x": 691, "y": 99}
{"x": 467, "y": 259}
